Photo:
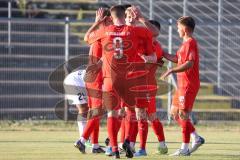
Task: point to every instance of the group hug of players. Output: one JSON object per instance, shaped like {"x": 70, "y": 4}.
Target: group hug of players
{"x": 120, "y": 79}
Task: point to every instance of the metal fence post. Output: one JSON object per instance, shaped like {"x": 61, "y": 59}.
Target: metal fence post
{"x": 169, "y": 66}
{"x": 66, "y": 60}
{"x": 66, "y": 39}
{"x": 184, "y": 7}
{"x": 9, "y": 26}
{"x": 150, "y": 9}
{"x": 219, "y": 46}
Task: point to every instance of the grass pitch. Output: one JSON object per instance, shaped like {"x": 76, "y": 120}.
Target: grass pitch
{"x": 32, "y": 140}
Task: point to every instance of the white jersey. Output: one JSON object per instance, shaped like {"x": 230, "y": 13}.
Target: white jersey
{"x": 75, "y": 89}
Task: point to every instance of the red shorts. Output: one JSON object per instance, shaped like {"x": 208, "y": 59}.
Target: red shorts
{"x": 143, "y": 102}
{"x": 111, "y": 100}
{"x": 149, "y": 104}
{"x": 146, "y": 97}
{"x": 151, "y": 108}
{"x": 94, "y": 90}
{"x": 184, "y": 99}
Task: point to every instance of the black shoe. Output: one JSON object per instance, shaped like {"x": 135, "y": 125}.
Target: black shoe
{"x": 107, "y": 141}
{"x": 121, "y": 150}
{"x": 98, "y": 150}
{"x": 116, "y": 155}
{"x": 80, "y": 146}
{"x": 127, "y": 148}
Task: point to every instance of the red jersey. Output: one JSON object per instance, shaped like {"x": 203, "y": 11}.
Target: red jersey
{"x": 120, "y": 44}
{"x": 189, "y": 79}
{"x": 95, "y": 52}
{"x": 140, "y": 50}
{"x": 158, "y": 50}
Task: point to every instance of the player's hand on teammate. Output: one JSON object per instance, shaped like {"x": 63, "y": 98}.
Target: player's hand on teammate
{"x": 149, "y": 59}
{"x": 160, "y": 62}
{"x": 165, "y": 74}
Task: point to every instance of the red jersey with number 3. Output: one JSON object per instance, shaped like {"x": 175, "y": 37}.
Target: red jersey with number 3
{"x": 189, "y": 79}
{"x": 120, "y": 41}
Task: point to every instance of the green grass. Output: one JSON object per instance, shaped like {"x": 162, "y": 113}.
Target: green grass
{"x": 54, "y": 140}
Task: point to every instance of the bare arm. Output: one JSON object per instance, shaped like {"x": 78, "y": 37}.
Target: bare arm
{"x": 149, "y": 26}
{"x": 150, "y": 58}
{"x": 144, "y": 21}
{"x": 181, "y": 68}
{"x": 90, "y": 30}
{"x": 98, "y": 20}
{"x": 170, "y": 57}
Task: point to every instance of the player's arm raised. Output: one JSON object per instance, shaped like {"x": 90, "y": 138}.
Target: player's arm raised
{"x": 144, "y": 21}
{"x": 100, "y": 18}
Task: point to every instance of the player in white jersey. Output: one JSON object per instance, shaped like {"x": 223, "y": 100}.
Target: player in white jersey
{"x": 76, "y": 94}
{"x": 75, "y": 88}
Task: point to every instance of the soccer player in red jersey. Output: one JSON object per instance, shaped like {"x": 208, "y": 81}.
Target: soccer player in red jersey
{"x": 151, "y": 103}
{"x": 94, "y": 91}
{"x": 129, "y": 127}
{"x": 119, "y": 52}
{"x": 187, "y": 69}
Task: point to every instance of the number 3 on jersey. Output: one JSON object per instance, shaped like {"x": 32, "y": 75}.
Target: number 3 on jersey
{"x": 118, "y": 47}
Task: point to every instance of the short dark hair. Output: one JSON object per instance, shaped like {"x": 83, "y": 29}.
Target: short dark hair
{"x": 106, "y": 12}
{"x": 118, "y": 11}
{"x": 126, "y": 6}
{"x": 187, "y": 21}
{"x": 156, "y": 24}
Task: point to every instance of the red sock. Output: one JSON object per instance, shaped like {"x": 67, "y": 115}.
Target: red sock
{"x": 134, "y": 132}
{"x": 134, "y": 127}
{"x": 187, "y": 125}
{"x": 90, "y": 126}
{"x": 113, "y": 125}
{"x": 186, "y": 130}
{"x": 131, "y": 125}
{"x": 158, "y": 130}
{"x": 143, "y": 132}
{"x": 95, "y": 133}
{"x": 122, "y": 130}
{"x": 192, "y": 129}
{"x": 128, "y": 126}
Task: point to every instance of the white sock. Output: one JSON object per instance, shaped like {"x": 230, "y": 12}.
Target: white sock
{"x": 184, "y": 147}
{"x": 162, "y": 144}
{"x": 194, "y": 136}
{"x": 83, "y": 140}
{"x": 120, "y": 145}
{"x": 132, "y": 144}
{"x": 81, "y": 125}
{"x": 95, "y": 146}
